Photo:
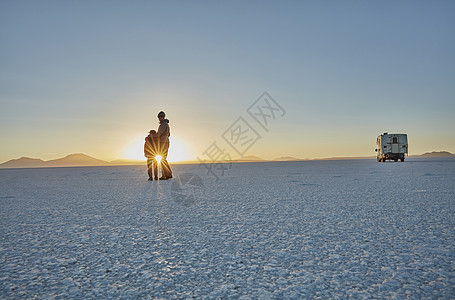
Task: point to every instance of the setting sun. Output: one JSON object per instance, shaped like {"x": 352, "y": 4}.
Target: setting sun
{"x": 135, "y": 150}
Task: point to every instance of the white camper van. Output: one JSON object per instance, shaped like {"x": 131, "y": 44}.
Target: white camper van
{"x": 392, "y": 146}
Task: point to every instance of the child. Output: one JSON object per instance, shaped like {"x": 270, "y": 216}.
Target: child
{"x": 150, "y": 151}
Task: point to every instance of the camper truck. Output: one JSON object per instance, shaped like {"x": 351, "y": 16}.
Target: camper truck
{"x": 392, "y": 146}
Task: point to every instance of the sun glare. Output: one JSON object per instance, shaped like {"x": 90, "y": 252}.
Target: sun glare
{"x": 178, "y": 151}
{"x": 135, "y": 150}
{"x": 158, "y": 158}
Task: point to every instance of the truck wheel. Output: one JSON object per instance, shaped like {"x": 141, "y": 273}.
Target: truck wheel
{"x": 402, "y": 160}
{"x": 395, "y": 160}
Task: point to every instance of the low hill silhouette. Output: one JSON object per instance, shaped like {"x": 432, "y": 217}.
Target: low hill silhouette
{"x": 77, "y": 159}
{"x": 435, "y": 154}
{"x": 250, "y": 158}
{"x": 287, "y": 158}
{"x": 23, "y": 162}
{"x": 71, "y": 160}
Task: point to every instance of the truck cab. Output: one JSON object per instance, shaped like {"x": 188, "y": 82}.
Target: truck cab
{"x": 393, "y": 146}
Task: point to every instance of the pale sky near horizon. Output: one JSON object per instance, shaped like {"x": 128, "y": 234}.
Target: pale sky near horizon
{"x": 90, "y": 76}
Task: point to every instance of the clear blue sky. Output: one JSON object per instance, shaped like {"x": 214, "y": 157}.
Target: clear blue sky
{"x": 91, "y": 76}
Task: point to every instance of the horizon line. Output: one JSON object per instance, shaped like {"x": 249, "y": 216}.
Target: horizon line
{"x": 92, "y": 161}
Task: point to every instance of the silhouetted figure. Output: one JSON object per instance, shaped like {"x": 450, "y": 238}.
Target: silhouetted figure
{"x": 151, "y": 151}
{"x": 163, "y": 134}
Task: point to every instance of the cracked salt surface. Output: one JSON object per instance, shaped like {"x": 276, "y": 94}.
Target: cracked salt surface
{"x": 327, "y": 229}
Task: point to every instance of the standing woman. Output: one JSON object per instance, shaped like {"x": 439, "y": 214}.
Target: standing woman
{"x": 163, "y": 134}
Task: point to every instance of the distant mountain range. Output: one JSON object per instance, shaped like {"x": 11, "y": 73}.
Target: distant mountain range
{"x": 72, "y": 160}
{"x": 435, "y": 154}
{"x": 82, "y": 160}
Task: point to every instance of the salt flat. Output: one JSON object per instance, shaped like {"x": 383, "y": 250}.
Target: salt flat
{"x": 323, "y": 229}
